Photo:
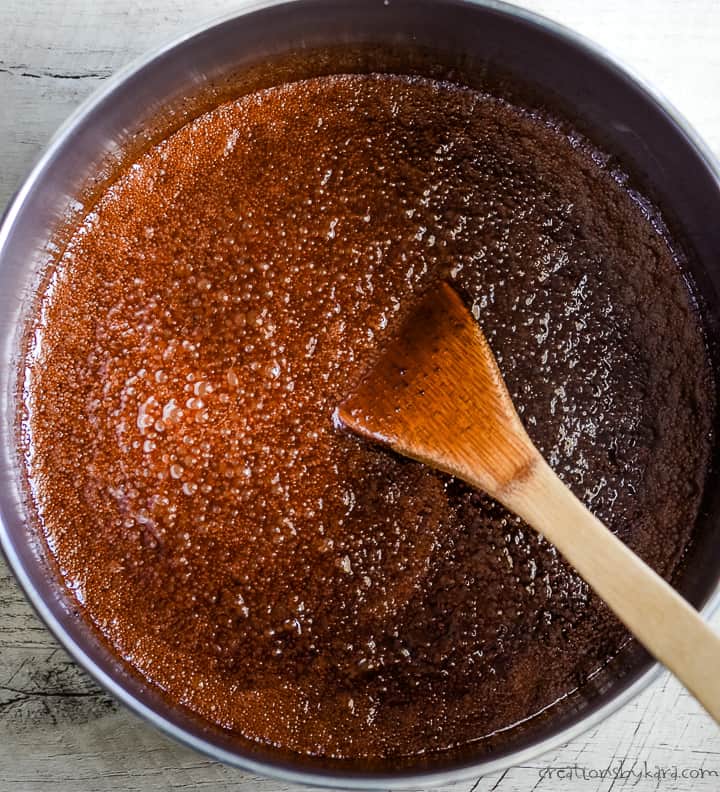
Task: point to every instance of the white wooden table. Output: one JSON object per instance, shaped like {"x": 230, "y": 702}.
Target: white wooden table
{"x": 57, "y": 729}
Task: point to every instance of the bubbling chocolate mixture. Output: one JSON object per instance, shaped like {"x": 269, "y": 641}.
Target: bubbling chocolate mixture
{"x": 277, "y": 576}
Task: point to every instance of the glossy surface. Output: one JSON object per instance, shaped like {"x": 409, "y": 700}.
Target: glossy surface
{"x": 218, "y": 303}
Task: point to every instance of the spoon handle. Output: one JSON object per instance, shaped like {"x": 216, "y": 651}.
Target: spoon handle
{"x": 667, "y": 626}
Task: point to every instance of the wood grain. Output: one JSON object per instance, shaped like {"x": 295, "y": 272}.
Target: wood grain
{"x": 57, "y": 729}
{"x": 436, "y": 394}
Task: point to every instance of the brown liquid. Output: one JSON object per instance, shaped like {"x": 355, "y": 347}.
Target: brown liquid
{"x": 281, "y": 578}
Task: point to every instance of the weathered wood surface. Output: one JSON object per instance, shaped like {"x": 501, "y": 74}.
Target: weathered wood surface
{"x": 57, "y": 729}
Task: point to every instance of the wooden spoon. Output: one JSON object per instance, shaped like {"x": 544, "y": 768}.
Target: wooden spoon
{"x": 436, "y": 395}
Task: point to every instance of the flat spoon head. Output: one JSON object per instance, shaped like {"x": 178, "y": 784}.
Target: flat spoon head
{"x": 436, "y": 395}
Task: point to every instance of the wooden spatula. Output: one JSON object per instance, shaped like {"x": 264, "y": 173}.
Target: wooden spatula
{"x": 436, "y": 395}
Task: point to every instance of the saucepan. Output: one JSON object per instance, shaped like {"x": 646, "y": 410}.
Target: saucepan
{"x": 266, "y": 42}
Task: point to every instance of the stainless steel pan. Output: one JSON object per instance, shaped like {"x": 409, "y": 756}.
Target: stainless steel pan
{"x": 268, "y": 41}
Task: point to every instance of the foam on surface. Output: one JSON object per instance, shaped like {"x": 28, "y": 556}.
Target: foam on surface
{"x": 279, "y": 577}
